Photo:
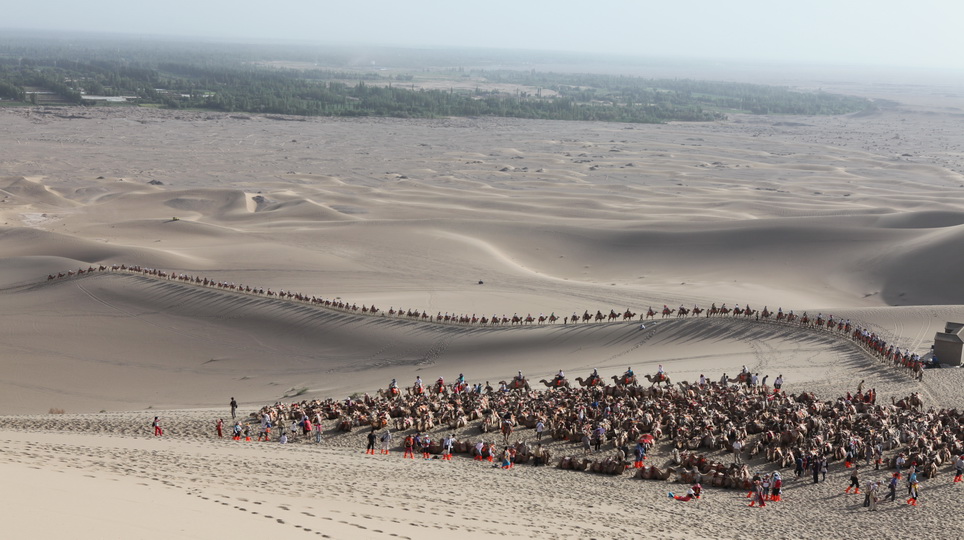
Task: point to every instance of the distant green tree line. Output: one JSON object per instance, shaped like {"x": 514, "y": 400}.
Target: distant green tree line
{"x": 238, "y": 80}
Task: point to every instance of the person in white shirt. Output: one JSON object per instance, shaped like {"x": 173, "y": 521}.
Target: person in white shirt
{"x": 737, "y": 452}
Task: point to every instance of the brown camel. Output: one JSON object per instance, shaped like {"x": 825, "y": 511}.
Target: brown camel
{"x": 591, "y": 381}
{"x": 516, "y": 384}
{"x": 658, "y": 379}
{"x": 622, "y": 380}
{"x": 555, "y": 383}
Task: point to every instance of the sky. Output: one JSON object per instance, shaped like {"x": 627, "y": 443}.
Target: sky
{"x": 890, "y": 33}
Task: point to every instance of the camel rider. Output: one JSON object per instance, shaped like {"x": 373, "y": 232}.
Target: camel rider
{"x": 745, "y": 371}
{"x": 595, "y": 374}
{"x": 418, "y": 382}
{"x": 560, "y": 375}
{"x": 461, "y": 379}
{"x": 519, "y": 377}
{"x": 393, "y": 386}
{"x": 780, "y": 310}
{"x": 659, "y": 370}
{"x": 628, "y": 376}
{"x": 440, "y": 382}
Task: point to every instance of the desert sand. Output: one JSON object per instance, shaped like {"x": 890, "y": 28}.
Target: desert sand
{"x": 859, "y": 216}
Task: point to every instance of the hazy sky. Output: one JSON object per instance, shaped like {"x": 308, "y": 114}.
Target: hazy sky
{"x": 923, "y": 33}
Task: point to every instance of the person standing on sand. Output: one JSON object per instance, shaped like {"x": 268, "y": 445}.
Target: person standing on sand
{"x": 854, "y": 481}
{"x": 386, "y": 440}
{"x": 757, "y": 495}
{"x": 234, "y": 409}
{"x": 892, "y": 486}
{"x": 370, "y": 449}
{"x": 157, "y": 427}
{"x": 737, "y": 452}
{"x": 318, "y": 429}
{"x": 220, "y": 426}
{"x": 914, "y": 493}
{"x": 540, "y": 427}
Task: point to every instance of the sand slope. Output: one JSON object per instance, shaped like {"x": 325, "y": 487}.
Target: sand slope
{"x": 859, "y": 216}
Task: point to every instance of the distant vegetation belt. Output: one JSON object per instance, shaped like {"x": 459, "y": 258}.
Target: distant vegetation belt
{"x": 238, "y": 81}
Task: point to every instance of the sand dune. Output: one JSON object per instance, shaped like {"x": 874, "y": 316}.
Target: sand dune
{"x": 833, "y": 215}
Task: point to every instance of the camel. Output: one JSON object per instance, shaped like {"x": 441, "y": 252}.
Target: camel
{"x": 556, "y": 383}
{"x": 658, "y": 379}
{"x": 506, "y": 431}
{"x": 517, "y": 384}
{"x": 911, "y": 402}
{"x": 389, "y": 393}
{"x": 591, "y": 381}
{"x": 652, "y": 472}
{"x": 624, "y": 380}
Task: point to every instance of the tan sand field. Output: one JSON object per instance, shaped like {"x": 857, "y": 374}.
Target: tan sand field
{"x": 858, "y": 216}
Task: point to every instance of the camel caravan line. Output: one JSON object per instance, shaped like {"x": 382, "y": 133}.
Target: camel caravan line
{"x": 869, "y": 341}
{"x": 705, "y": 432}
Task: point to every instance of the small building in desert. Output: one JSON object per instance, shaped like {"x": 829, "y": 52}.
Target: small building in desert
{"x": 949, "y": 344}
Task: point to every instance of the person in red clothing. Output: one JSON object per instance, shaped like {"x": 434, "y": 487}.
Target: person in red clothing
{"x": 220, "y": 426}
{"x": 409, "y": 446}
{"x": 157, "y": 427}
{"x": 776, "y": 488}
{"x": 692, "y": 493}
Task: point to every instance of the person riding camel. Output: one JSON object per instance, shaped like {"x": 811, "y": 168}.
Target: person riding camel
{"x": 519, "y": 377}
{"x": 418, "y": 384}
{"x": 560, "y": 377}
{"x": 595, "y": 374}
{"x": 660, "y": 374}
{"x": 440, "y": 383}
{"x": 393, "y": 387}
{"x": 629, "y": 375}
{"x": 460, "y": 380}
